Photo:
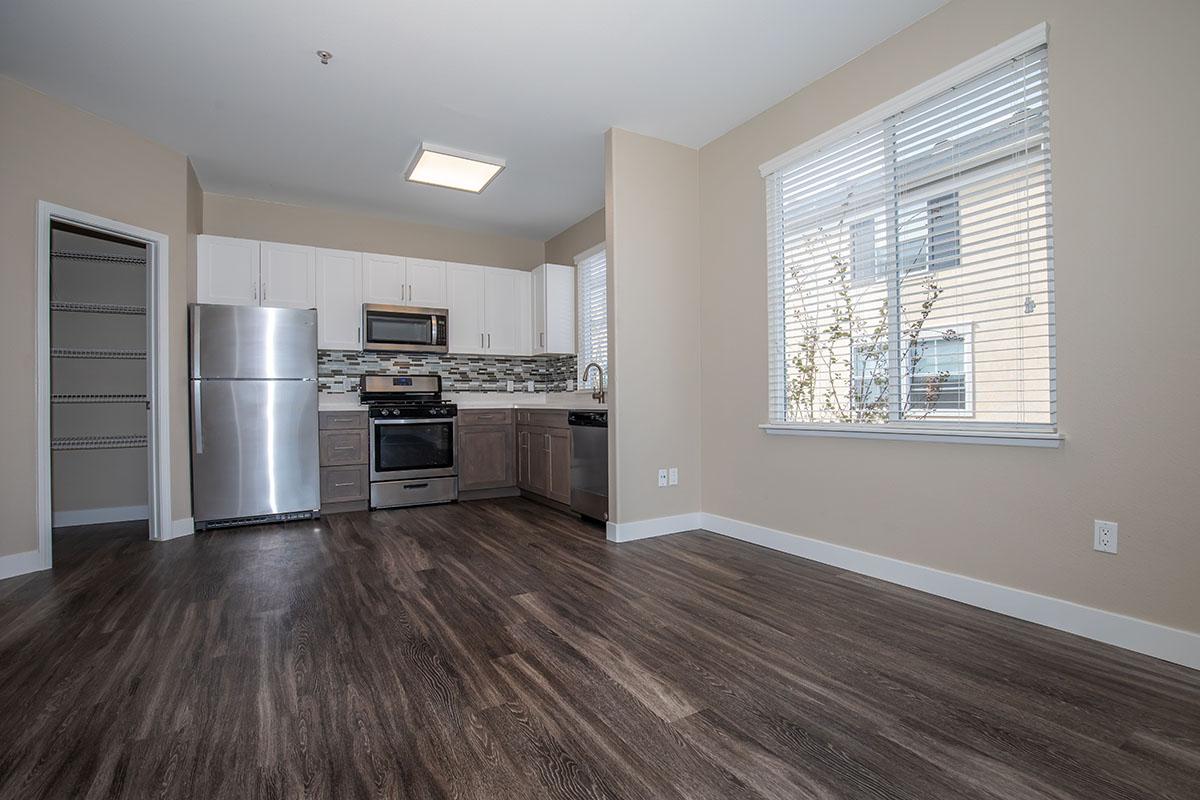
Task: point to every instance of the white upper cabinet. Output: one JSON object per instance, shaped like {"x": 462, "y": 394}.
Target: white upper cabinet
{"x": 339, "y": 300}
{"x": 464, "y": 295}
{"x": 384, "y": 281}
{"x": 426, "y": 282}
{"x": 227, "y": 270}
{"x": 554, "y": 309}
{"x": 397, "y": 281}
{"x": 501, "y": 311}
{"x": 288, "y": 275}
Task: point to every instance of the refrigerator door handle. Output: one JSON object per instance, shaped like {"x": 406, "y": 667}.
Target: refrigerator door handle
{"x": 196, "y": 342}
{"x": 197, "y": 428}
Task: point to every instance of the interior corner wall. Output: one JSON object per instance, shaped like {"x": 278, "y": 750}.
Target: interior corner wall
{"x": 652, "y": 214}
{"x": 1125, "y": 178}
{"x": 372, "y": 233}
{"x": 51, "y": 151}
{"x": 579, "y": 238}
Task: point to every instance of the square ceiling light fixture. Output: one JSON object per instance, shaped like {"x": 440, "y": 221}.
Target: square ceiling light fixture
{"x": 454, "y": 169}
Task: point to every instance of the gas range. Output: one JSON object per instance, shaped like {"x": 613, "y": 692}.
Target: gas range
{"x": 414, "y": 446}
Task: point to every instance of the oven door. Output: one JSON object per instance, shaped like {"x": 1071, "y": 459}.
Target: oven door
{"x": 413, "y": 448}
{"x": 404, "y": 329}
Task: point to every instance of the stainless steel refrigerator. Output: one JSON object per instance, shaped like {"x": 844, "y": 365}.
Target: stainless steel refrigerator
{"x": 253, "y": 382}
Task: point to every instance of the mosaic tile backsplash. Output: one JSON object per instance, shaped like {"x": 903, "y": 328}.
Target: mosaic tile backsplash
{"x": 338, "y": 370}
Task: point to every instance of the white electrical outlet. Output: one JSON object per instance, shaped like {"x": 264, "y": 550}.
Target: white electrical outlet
{"x": 662, "y": 477}
{"x": 1105, "y": 536}
{"x": 510, "y": 386}
{"x": 674, "y": 476}
{"x": 529, "y": 386}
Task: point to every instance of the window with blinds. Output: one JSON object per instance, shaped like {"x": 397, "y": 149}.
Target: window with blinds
{"x": 591, "y": 278}
{"x": 910, "y": 264}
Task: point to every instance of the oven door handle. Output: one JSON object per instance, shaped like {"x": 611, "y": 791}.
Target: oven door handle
{"x": 438, "y": 421}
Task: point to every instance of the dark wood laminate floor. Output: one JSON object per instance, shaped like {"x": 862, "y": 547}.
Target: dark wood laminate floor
{"x": 501, "y": 650}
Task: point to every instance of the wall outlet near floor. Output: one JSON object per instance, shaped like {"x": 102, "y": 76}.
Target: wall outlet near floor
{"x": 1105, "y": 537}
{"x": 662, "y": 477}
{"x": 674, "y": 476}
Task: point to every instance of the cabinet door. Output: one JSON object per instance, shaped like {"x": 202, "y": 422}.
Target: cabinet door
{"x": 485, "y": 457}
{"x": 227, "y": 270}
{"x": 539, "y": 309}
{"x": 426, "y": 283}
{"x": 464, "y": 295}
{"x": 339, "y": 300}
{"x": 539, "y": 458}
{"x": 558, "y": 309}
{"x": 501, "y": 311}
{"x": 558, "y": 465}
{"x": 288, "y": 275}
{"x": 383, "y": 280}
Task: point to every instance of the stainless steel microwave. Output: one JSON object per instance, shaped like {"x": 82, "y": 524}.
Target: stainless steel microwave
{"x": 407, "y": 329}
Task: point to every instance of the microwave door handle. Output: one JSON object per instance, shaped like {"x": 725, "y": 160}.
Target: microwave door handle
{"x": 433, "y": 323}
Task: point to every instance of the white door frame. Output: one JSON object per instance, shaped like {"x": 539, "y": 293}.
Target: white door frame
{"x": 157, "y": 359}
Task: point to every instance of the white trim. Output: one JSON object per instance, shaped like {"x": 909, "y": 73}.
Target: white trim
{"x": 158, "y": 358}
{"x": 658, "y": 526}
{"x": 180, "y": 527}
{"x": 914, "y": 434}
{"x": 591, "y": 251}
{"x": 1170, "y": 644}
{"x": 1005, "y": 51}
{"x": 94, "y": 516}
{"x": 21, "y": 563}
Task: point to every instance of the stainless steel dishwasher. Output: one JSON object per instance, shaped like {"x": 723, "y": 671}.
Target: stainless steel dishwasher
{"x": 589, "y": 463}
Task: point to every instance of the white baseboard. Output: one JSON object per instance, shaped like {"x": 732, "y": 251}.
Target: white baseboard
{"x": 659, "y": 526}
{"x": 20, "y": 563}
{"x": 93, "y": 516}
{"x": 1169, "y": 644}
{"x": 180, "y": 527}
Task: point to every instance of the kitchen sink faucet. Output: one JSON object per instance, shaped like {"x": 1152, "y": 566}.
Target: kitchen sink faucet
{"x": 598, "y": 394}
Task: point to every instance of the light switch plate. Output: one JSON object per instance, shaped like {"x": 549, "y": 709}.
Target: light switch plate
{"x": 674, "y": 476}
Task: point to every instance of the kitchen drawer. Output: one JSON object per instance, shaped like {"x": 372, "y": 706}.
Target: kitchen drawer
{"x": 344, "y": 484}
{"x": 542, "y": 417}
{"x": 342, "y": 420}
{"x": 339, "y": 448}
{"x": 484, "y": 416}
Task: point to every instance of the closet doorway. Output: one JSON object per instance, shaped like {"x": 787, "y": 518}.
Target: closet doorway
{"x": 102, "y": 426}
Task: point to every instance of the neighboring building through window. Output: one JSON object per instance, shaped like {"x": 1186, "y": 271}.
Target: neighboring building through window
{"x": 909, "y": 273}
{"x": 591, "y": 268}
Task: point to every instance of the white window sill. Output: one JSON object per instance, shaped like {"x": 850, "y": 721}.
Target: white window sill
{"x": 916, "y": 434}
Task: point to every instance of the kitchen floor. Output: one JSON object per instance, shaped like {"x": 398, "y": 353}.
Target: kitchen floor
{"x": 499, "y": 649}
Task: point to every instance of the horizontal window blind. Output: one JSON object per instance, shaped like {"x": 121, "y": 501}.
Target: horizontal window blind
{"x": 592, "y": 281}
{"x": 910, "y": 274}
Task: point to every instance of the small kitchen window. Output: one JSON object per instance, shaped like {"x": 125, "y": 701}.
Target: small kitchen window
{"x": 591, "y": 269}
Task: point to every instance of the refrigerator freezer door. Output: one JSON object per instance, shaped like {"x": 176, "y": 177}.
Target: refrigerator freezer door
{"x": 248, "y": 342}
{"x": 254, "y": 448}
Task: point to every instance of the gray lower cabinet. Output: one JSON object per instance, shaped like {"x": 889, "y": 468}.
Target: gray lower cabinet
{"x": 486, "y": 450}
{"x": 345, "y": 452}
{"x": 544, "y": 454}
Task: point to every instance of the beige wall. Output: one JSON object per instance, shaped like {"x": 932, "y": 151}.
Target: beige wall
{"x": 1125, "y": 175}
{"x": 195, "y": 225}
{"x": 322, "y": 227}
{"x": 580, "y": 237}
{"x": 51, "y": 151}
{"x": 652, "y": 195}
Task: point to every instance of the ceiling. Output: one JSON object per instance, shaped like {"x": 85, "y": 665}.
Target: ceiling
{"x": 237, "y": 86}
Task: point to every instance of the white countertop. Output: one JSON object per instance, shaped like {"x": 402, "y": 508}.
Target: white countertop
{"x": 581, "y": 401}
{"x": 556, "y": 400}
